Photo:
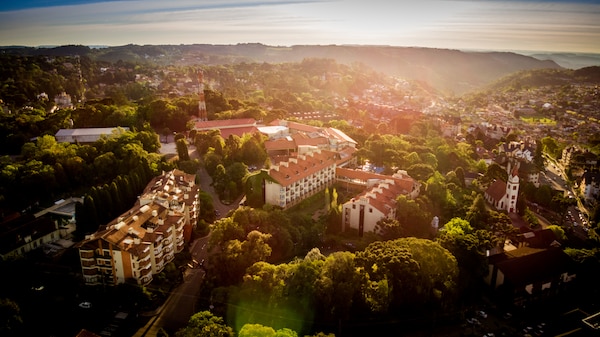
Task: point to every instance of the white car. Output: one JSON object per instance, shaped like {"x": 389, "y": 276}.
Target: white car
{"x": 85, "y": 305}
{"x": 473, "y": 321}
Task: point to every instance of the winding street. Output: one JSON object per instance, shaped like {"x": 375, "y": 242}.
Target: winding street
{"x": 180, "y": 305}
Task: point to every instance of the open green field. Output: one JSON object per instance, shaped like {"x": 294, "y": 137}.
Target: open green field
{"x": 539, "y": 120}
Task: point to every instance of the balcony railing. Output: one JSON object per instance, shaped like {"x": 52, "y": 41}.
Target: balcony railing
{"x": 88, "y": 263}
{"x": 86, "y": 254}
{"x": 89, "y": 271}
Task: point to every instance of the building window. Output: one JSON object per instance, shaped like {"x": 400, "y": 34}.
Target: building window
{"x": 370, "y": 210}
{"x": 353, "y": 206}
{"x": 514, "y": 188}
{"x": 513, "y": 197}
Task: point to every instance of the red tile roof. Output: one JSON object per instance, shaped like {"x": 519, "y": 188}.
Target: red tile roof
{"x": 225, "y": 123}
{"x": 240, "y": 131}
{"x": 303, "y": 139}
{"x": 497, "y": 190}
{"x": 287, "y": 175}
{"x": 293, "y": 126}
{"x": 280, "y": 144}
{"x": 383, "y": 196}
{"x": 405, "y": 183}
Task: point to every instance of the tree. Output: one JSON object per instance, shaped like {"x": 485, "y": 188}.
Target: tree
{"x": 90, "y": 221}
{"x": 408, "y": 273}
{"x": 502, "y": 226}
{"x": 420, "y": 172}
{"x": 235, "y": 255}
{"x": 337, "y": 285}
{"x": 558, "y": 231}
{"x": 389, "y": 229}
{"x": 205, "y": 324}
{"x": 469, "y": 246}
{"x": 225, "y": 229}
{"x": 543, "y": 195}
{"x": 207, "y": 211}
{"x": 106, "y": 166}
{"x": 456, "y": 227}
{"x": 460, "y": 175}
{"x": 258, "y": 330}
{"x": 11, "y": 322}
{"x": 236, "y": 173}
{"x": 182, "y": 149}
{"x": 495, "y": 172}
{"x": 477, "y": 214}
{"x": 118, "y": 205}
{"x": 252, "y": 152}
{"x": 551, "y": 147}
{"x": 414, "y": 220}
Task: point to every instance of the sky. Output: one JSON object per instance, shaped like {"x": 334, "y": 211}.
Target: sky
{"x": 503, "y": 25}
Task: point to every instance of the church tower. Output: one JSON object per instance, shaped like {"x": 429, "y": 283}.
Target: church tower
{"x": 202, "y": 114}
{"x": 512, "y": 190}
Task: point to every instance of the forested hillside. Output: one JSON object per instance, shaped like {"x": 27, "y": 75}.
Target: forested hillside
{"x": 448, "y": 71}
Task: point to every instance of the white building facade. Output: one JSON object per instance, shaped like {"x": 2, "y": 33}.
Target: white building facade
{"x": 300, "y": 177}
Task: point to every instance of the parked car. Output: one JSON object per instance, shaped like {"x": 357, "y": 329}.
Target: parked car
{"x": 85, "y": 305}
{"x": 473, "y": 321}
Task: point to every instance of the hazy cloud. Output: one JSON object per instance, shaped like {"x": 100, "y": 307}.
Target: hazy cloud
{"x": 499, "y": 25}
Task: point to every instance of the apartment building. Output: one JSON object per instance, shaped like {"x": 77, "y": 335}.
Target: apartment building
{"x": 138, "y": 244}
{"x": 590, "y": 186}
{"x": 299, "y": 177}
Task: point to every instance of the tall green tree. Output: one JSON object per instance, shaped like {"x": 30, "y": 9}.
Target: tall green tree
{"x": 205, "y": 324}
{"x": 470, "y": 247}
{"x": 416, "y": 273}
{"x": 337, "y": 285}
{"x": 182, "y": 149}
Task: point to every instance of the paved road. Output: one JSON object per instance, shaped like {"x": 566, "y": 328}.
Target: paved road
{"x": 180, "y": 306}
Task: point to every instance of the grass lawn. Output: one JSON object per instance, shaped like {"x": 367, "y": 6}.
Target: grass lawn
{"x": 539, "y": 120}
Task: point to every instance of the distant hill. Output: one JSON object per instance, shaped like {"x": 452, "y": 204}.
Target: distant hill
{"x": 570, "y": 60}
{"x": 448, "y": 71}
{"x": 543, "y": 77}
